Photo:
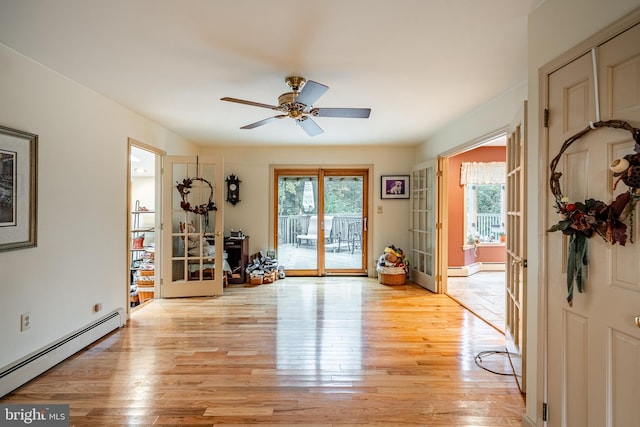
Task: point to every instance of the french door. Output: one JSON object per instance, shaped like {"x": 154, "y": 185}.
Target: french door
{"x": 192, "y": 229}
{"x": 321, "y": 221}
{"x": 515, "y": 279}
{"x": 424, "y": 226}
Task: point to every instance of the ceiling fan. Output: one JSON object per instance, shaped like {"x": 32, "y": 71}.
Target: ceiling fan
{"x": 298, "y": 104}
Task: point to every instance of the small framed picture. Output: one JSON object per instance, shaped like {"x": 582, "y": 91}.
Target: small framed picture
{"x": 394, "y": 187}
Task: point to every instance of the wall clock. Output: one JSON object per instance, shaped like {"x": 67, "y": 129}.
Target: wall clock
{"x": 233, "y": 189}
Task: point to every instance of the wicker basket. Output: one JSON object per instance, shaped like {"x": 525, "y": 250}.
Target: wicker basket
{"x": 145, "y": 294}
{"x": 146, "y": 272}
{"x": 392, "y": 279}
{"x": 256, "y": 280}
{"x": 269, "y": 277}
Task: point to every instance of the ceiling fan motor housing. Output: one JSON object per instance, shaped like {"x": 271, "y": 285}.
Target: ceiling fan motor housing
{"x": 288, "y": 104}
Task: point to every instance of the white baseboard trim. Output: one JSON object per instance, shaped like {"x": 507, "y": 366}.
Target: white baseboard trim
{"x": 528, "y": 422}
{"x": 468, "y": 270}
{"x": 32, "y": 365}
{"x": 493, "y": 266}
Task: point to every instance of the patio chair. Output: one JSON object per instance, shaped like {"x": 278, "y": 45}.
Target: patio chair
{"x": 354, "y": 235}
{"x": 312, "y": 230}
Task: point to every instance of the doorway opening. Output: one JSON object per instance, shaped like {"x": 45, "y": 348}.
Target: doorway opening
{"x": 143, "y": 222}
{"x": 476, "y": 218}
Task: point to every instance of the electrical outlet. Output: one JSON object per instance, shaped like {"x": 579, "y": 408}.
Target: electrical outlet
{"x": 97, "y": 307}
{"x": 379, "y": 209}
{"x": 25, "y": 321}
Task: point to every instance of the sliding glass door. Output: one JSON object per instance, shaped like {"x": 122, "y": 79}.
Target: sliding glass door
{"x": 321, "y": 225}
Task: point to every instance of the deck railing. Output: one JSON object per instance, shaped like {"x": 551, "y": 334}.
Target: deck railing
{"x": 290, "y": 226}
{"x": 489, "y": 226}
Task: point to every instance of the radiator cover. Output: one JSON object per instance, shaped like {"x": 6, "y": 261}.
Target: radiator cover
{"x": 20, "y": 372}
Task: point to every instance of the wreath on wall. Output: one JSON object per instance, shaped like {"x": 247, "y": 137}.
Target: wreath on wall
{"x": 184, "y": 189}
{"x": 582, "y": 220}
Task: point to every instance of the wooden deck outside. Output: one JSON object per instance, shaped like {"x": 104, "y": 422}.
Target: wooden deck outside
{"x": 292, "y": 256}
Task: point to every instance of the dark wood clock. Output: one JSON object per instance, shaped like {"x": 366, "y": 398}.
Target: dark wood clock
{"x": 233, "y": 189}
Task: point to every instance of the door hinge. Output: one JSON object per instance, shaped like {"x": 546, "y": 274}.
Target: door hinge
{"x": 438, "y": 278}
{"x": 545, "y": 412}
{"x": 546, "y": 117}
{"x": 439, "y": 174}
{"x": 438, "y": 226}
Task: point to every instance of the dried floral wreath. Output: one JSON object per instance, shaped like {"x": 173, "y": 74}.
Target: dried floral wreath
{"x": 581, "y": 220}
{"x": 184, "y": 190}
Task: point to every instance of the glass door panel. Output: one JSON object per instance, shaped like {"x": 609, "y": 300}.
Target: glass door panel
{"x": 321, "y": 229}
{"x": 298, "y": 222}
{"x": 344, "y": 225}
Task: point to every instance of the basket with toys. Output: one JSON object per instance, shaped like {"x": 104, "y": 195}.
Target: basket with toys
{"x": 392, "y": 267}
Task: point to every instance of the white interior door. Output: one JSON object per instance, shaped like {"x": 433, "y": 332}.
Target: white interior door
{"x": 193, "y": 256}
{"x": 515, "y": 280}
{"x": 593, "y": 346}
{"x": 424, "y": 259}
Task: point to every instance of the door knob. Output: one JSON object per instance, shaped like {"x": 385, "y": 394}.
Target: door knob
{"x": 218, "y": 233}
{"x": 638, "y": 321}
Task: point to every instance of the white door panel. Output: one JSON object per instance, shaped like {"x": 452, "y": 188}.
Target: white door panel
{"x": 593, "y": 345}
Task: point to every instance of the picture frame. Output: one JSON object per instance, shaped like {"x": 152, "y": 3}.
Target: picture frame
{"x": 18, "y": 189}
{"x": 394, "y": 187}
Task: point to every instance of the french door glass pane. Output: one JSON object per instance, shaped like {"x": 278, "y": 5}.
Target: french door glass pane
{"x": 298, "y": 222}
{"x": 343, "y": 222}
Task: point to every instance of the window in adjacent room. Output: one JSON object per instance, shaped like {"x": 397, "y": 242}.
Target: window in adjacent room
{"x": 484, "y": 192}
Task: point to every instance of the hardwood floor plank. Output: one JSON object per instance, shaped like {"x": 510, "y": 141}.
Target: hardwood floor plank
{"x": 301, "y": 351}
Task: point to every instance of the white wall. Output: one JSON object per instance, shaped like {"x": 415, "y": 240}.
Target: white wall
{"x": 252, "y": 165}
{"x": 490, "y": 117}
{"x": 81, "y": 257}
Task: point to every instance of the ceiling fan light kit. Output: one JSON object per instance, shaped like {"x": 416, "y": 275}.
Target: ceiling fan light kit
{"x": 298, "y": 104}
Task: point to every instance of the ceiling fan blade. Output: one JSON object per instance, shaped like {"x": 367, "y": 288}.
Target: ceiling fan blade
{"x": 351, "y": 113}
{"x": 311, "y": 92}
{"x": 263, "y": 122}
{"x": 255, "y": 104}
{"x": 309, "y": 126}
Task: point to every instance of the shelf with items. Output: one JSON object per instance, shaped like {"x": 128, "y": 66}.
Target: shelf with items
{"x": 142, "y": 255}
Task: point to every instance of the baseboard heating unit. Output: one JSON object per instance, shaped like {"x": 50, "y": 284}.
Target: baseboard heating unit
{"x": 32, "y": 365}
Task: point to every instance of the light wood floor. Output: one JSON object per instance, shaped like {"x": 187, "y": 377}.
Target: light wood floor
{"x": 307, "y": 351}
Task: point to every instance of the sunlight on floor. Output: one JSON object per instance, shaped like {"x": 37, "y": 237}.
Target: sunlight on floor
{"x": 483, "y": 293}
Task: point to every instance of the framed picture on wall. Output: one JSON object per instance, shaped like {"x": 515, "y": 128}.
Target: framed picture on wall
{"x": 394, "y": 187}
{"x": 18, "y": 189}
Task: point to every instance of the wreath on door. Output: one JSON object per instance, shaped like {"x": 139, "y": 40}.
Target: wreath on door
{"x": 582, "y": 220}
{"x": 184, "y": 189}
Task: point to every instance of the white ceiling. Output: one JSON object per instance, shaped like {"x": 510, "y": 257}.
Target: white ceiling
{"x": 418, "y": 64}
